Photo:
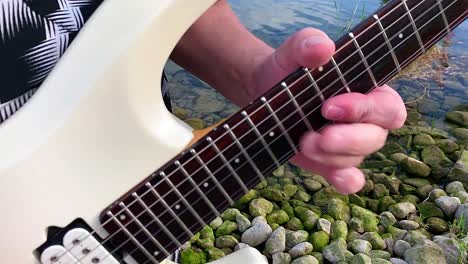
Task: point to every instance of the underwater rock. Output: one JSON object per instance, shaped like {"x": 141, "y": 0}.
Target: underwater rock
{"x": 458, "y": 117}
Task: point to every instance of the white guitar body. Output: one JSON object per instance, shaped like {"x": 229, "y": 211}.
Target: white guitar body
{"x": 85, "y": 139}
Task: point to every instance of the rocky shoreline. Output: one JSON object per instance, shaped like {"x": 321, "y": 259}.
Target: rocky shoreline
{"x": 413, "y": 208}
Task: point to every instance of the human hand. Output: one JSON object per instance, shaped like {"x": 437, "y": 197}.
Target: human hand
{"x": 362, "y": 121}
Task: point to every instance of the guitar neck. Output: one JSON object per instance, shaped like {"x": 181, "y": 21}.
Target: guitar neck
{"x": 165, "y": 210}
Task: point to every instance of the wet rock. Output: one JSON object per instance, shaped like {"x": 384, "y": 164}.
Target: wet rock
{"x": 361, "y": 259}
{"x": 391, "y": 148}
{"x": 301, "y": 249}
{"x": 448, "y": 146}
{"x": 381, "y": 254}
{"x": 451, "y": 249}
{"x": 423, "y": 140}
{"x": 324, "y": 225}
{"x": 380, "y": 191}
{"x": 387, "y": 219}
{"x": 361, "y": 246}
{"x": 425, "y": 253}
{"x": 305, "y": 260}
{"x": 281, "y": 258}
{"x": 398, "y": 157}
{"x": 400, "y": 247}
{"x": 449, "y": 205}
{"x": 276, "y": 242}
{"x": 416, "y": 236}
{"x": 458, "y": 117}
{"x": 324, "y": 195}
{"x": 408, "y": 224}
{"x": 296, "y": 237}
{"x": 226, "y": 241}
{"x": 462, "y": 212}
{"x": 277, "y": 217}
{"x": 256, "y": 234}
{"x": 369, "y": 219}
{"x": 463, "y": 196}
{"x": 226, "y": 228}
{"x": 402, "y": 210}
{"x": 434, "y": 156}
{"x": 415, "y": 167}
{"x": 339, "y": 229}
{"x": 461, "y": 133}
{"x": 339, "y": 210}
{"x": 375, "y": 239}
{"x": 436, "y": 193}
{"x": 319, "y": 240}
{"x": 312, "y": 185}
{"x": 428, "y": 209}
{"x": 260, "y": 207}
{"x": 424, "y": 191}
{"x": 336, "y": 251}
{"x": 392, "y": 183}
{"x": 416, "y": 182}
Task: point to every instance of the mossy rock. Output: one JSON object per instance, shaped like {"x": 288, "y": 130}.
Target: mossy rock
{"x": 339, "y": 210}
{"x": 319, "y": 240}
{"x": 428, "y": 209}
{"x": 190, "y": 256}
{"x": 272, "y": 194}
{"x": 277, "y": 217}
{"x": 369, "y": 219}
{"x": 324, "y": 195}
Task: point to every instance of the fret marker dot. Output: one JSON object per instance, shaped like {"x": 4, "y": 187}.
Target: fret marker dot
{"x": 271, "y": 134}
{"x": 206, "y": 185}
{"x": 400, "y": 35}
{"x": 320, "y": 68}
{"x": 177, "y": 207}
{"x": 156, "y": 253}
{"x": 237, "y": 160}
{"x": 122, "y": 217}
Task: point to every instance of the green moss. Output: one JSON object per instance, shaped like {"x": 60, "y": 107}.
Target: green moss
{"x": 190, "y": 256}
{"x": 319, "y": 240}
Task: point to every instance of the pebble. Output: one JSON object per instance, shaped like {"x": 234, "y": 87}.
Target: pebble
{"x": 462, "y": 211}
{"x": 281, "y": 258}
{"x": 296, "y": 237}
{"x": 448, "y": 204}
{"x": 243, "y": 223}
{"x": 454, "y": 187}
{"x": 361, "y": 246}
{"x": 301, "y": 249}
{"x": 408, "y": 224}
{"x": 402, "y": 210}
{"x": 400, "y": 247}
{"x": 324, "y": 225}
{"x": 256, "y": 235}
{"x": 241, "y": 246}
{"x": 305, "y": 260}
{"x": 276, "y": 242}
{"x": 397, "y": 261}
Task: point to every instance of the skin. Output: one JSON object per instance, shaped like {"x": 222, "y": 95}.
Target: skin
{"x": 250, "y": 67}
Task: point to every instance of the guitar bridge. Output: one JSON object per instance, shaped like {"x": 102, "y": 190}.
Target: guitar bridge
{"x": 76, "y": 243}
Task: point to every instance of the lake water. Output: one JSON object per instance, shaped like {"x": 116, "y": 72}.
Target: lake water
{"x": 437, "y": 83}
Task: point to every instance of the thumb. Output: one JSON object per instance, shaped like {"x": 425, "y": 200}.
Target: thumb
{"x": 309, "y": 48}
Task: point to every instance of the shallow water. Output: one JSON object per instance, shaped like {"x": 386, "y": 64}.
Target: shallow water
{"x": 437, "y": 85}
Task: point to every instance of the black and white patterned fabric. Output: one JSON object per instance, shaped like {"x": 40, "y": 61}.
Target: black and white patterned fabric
{"x": 34, "y": 34}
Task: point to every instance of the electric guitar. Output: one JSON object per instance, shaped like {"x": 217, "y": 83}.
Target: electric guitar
{"x": 94, "y": 169}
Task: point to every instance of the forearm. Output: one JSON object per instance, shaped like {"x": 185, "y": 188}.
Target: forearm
{"x": 221, "y": 51}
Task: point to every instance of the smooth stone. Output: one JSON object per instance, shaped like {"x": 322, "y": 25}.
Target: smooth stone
{"x": 335, "y": 252}
{"x": 301, "y": 249}
{"x": 415, "y": 167}
{"x": 361, "y": 259}
{"x": 259, "y": 220}
{"x": 243, "y": 223}
{"x": 312, "y": 185}
{"x": 260, "y": 207}
{"x": 448, "y": 204}
{"x": 305, "y": 260}
{"x": 227, "y": 241}
{"x": 281, "y": 258}
{"x": 380, "y": 254}
{"x": 375, "y": 239}
{"x": 387, "y": 219}
{"x": 426, "y": 252}
{"x": 457, "y": 117}
{"x": 276, "y": 242}
{"x": 256, "y": 234}
{"x": 400, "y": 247}
{"x": 434, "y": 156}
{"x": 241, "y": 246}
{"x": 454, "y": 187}
{"x": 408, "y": 224}
{"x": 296, "y": 237}
{"x": 402, "y": 210}
{"x": 397, "y": 261}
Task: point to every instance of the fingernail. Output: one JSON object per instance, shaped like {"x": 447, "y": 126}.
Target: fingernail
{"x": 334, "y": 113}
{"x": 314, "y": 40}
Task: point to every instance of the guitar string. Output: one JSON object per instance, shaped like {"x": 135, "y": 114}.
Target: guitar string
{"x": 405, "y": 63}
{"x": 379, "y": 47}
{"x": 320, "y": 105}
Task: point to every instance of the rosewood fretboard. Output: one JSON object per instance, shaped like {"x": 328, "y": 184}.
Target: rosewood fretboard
{"x": 162, "y": 212}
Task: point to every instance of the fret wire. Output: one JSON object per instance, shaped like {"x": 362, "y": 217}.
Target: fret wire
{"x": 246, "y": 155}
{"x": 197, "y": 188}
{"x": 389, "y": 44}
{"x": 444, "y": 18}
{"x": 286, "y": 134}
{"x": 314, "y": 83}
{"x": 213, "y": 178}
{"x": 158, "y": 197}
{"x": 361, "y": 73}
{"x": 343, "y": 80}
{"x": 145, "y": 230}
{"x": 194, "y": 213}
{"x": 156, "y": 219}
{"x": 299, "y": 109}
{"x": 221, "y": 155}
{"x": 413, "y": 24}
{"x": 138, "y": 244}
{"x": 259, "y": 135}
{"x": 363, "y": 58}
